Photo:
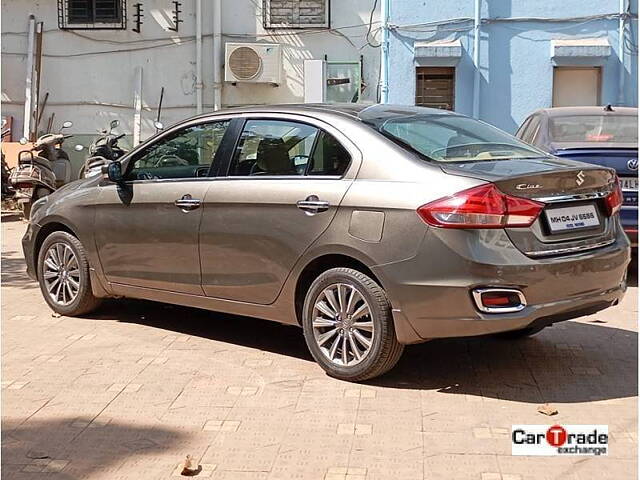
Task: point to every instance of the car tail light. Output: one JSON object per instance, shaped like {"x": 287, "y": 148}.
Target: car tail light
{"x": 481, "y": 207}
{"x": 614, "y": 199}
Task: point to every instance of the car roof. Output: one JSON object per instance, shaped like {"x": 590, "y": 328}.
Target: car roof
{"x": 356, "y": 111}
{"x": 579, "y": 111}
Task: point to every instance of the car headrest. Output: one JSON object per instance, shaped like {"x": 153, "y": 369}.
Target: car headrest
{"x": 272, "y": 156}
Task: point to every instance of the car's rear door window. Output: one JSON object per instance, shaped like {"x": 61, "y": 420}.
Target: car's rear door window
{"x": 287, "y": 148}
{"x": 185, "y": 153}
{"x": 329, "y": 157}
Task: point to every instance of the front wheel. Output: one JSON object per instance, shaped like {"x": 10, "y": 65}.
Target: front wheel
{"x": 348, "y": 325}
{"x": 63, "y": 274}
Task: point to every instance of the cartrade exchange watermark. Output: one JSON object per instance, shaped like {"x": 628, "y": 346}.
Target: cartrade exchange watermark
{"x": 559, "y": 440}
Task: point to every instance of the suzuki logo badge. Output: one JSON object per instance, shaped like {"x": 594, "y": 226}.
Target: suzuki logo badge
{"x": 633, "y": 164}
{"x": 580, "y": 178}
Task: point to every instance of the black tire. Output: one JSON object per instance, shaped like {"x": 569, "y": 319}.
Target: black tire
{"x": 84, "y": 301}
{"x": 385, "y": 350}
{"x": 522, "y": 333}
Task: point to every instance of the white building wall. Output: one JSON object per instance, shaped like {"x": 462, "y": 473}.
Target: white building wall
{"x": 90, "y": 74}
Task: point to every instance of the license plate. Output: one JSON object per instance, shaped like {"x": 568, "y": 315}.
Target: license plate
{"x": 629, "y": 183}
{"x": 572, "y": 218}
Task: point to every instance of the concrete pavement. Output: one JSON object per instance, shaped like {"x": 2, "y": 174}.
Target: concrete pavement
{"x": 130, "y": 391}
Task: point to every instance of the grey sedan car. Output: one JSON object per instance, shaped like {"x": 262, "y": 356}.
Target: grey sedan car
{"x": 371, "y": 227}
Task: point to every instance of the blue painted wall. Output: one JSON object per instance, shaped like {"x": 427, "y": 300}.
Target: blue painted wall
{"x": 515, "y": 60}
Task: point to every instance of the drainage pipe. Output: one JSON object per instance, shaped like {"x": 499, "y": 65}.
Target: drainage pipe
{"x": 621, "y": 27}
{"x": 384, "y": 52}
{"x": 476, "y": 60}
{"x": 199, "y": 56}
{"x": 217, "y": 54}
{"x": 28, "y": 93}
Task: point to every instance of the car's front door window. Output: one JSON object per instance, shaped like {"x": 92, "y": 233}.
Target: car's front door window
{"x": 185, "y": 153}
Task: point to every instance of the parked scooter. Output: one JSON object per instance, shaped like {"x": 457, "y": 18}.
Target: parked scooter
{"x": 8, "y": 191}
{"x": 102, "y": 151}
{"x": 38, "y": 175}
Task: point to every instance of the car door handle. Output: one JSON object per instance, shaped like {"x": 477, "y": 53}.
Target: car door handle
{"x": 187, "y": 203}
{"x": 312, "y": 205}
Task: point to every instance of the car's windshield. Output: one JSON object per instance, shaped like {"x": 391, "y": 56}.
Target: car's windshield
{"x": 595, "y": 128}
{"x": 453, "y": 138}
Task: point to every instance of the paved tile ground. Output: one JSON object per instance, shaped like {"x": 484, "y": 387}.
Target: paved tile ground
{"x": 129, "y": 392}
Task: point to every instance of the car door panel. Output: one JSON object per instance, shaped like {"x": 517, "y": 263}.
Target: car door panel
{"x": 253, "y": 232}
{"x": 146, "y": 240}
{"x": 148, "y": 234}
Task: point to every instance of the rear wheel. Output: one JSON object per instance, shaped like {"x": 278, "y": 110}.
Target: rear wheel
{"x": 63, "y": 274}
{"x": 348, "y": 325}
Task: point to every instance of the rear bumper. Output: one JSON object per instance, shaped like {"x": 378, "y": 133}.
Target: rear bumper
{"x": 28, "y": 248}
{"x": 431, "y": 293}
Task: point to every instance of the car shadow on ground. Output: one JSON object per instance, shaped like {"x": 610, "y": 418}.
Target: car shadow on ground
{"x": 14, "y": 271}
{"x": 44, "y": 446}
{"x": 568, "y": 362}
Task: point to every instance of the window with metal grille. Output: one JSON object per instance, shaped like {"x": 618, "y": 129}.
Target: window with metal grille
{"x": 435, "y": 87}
{"x": 296, "y": 13}
{"x": 92, "y": 14}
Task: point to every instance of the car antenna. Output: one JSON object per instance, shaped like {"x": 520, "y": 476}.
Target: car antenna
{"x": 608, "y": 108}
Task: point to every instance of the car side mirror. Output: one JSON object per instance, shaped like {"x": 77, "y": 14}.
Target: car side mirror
{"x": 67, "y": 124}
{"x": 158, "y": 125}
{"x": 23, "y": 141}
{"x": 113, "y": 172}
{"x": 78, "y": 148}
{"x": 114, "y": 124}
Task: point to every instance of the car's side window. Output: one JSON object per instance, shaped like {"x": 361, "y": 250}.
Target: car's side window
{"x": 329, "y": 157}
{"x": 186, "y": 153}
{"x": 273, "y": 148}
{"x": 532, "y": 130}
{"x": 522, "y": 131}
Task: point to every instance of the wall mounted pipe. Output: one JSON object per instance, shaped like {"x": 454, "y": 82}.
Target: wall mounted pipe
{"x": 384, "y": 52}
{"x": 199, "y": 85}
{"x": 621, "y": 28}
{"x": 28, "y": 92}
{"x": 217, "y": 54}
{"x": 476, "y": 59}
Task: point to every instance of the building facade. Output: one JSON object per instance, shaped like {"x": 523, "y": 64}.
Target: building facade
{"x": 530, "y": 55}
{"x": 100, "y": 63}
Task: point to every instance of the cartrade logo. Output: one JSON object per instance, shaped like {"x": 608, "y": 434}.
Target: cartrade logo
{"x": 559, "y": 440}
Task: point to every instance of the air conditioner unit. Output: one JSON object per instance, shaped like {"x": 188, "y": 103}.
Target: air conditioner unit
{"x": 253, "y": 62}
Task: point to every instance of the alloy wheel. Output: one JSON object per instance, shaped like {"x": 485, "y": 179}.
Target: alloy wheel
{"x": 342, "y": 324}
{"x": 61, "y": 274}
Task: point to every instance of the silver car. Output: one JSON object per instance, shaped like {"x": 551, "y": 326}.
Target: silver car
{"x": 371, "y": 227}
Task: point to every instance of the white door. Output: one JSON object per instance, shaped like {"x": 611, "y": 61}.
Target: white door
{"x": 576, "y": 86}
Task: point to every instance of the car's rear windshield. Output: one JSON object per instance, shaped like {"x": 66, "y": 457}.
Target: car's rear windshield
{"x": 453, "y": 138}
{"x": 595, "y": 128}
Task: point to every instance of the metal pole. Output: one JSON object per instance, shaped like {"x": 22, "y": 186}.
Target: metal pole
{"x": 217, "y": 54}
{"x": 476, "y": 60}
{"x": 199, "y": 56}
{"x": 38, "y": 76}
{"x": 28, "y": 93}
{"x": 384, "y": 57}
{"x": 137, "y": 106}
{"x": 621, "y": 27}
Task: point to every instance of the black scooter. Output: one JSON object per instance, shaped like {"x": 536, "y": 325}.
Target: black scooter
{"x": 102, "y": 151}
